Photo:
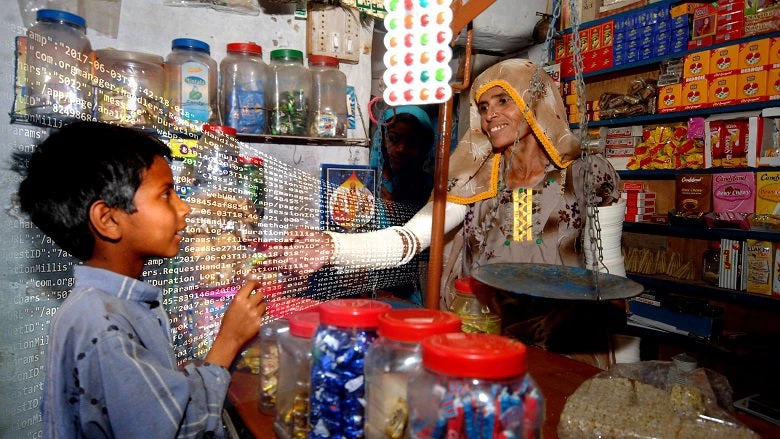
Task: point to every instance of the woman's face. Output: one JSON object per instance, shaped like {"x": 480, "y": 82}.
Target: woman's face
{"x": 501, "y": 119}
{"x": 405, "y": 146}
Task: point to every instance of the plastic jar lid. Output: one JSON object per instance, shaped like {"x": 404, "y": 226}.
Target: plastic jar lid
{"x": 219, "y": 129}
{"x": 353, "y": 313}
{"x": 290, "y": 54}
{"x": 53, "y": 14}
{"x": 474, "y": 355}
{"x": 190, "y": 43}
{"x": 323, "y": 60}
{"x": 415, "y": 324}
{"x": 129, "y": 56}
{"x": 245, "y": 47}
{"x": 304, "y": 324}
{"x": 466, "y": 285}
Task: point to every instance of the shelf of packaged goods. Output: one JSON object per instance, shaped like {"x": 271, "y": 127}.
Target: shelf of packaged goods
{"x": 650, "y": 5}
{"x": 678, "y": 115}
{"x": 667, "y": 284}
{"x": 655, "y": 60}
{"x": 699, "y": 232}
{"x": 54, "y": 122}
{"x": 668, "y": 174}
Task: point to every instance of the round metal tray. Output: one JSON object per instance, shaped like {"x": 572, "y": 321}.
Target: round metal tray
{"x": 555, "y": 281}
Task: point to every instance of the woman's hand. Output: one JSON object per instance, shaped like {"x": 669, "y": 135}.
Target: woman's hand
{"x": 303, "y": 252}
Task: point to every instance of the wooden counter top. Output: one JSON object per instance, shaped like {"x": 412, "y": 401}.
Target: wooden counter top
{"x": 557, "y": 376}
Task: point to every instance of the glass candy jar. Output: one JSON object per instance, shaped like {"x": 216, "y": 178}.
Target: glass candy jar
{"x": 474, "y": 386}
{"x": 390, "y": 361}
{"x": 292, "y": 397}
{"x": 329, "y": 103}
{"x": 347, "y": 328}
{"x": 289, "y": 90}
{"x": 479, "y": 314}
{"x": 269, "y": 364}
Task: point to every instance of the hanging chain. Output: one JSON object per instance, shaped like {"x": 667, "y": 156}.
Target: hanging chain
{"x": 591, "y": 207}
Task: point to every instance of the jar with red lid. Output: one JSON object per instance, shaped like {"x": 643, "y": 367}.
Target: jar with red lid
{"x": 474, "y": 386}
{"x": 391, "y": 359}
{"x": 328, "y": 101}
{"x": 347, "y": 329}
{"x": 269, "y": 364}
{"x": 474, "y": 302}
{"x": 292, "y": 396}
{"x": 243, "y": 76}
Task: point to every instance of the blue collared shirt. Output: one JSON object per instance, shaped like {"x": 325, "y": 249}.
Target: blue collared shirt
{"x": 111, "y": 371}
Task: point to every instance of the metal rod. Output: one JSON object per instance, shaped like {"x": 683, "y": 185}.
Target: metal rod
{"x": 436, "y": 260}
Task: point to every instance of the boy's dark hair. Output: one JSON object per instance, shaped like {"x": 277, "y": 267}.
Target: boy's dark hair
{"x": 78, "y": 165}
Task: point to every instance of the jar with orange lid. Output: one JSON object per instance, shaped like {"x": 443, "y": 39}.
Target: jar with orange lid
{"x": 474, "y": 386}
{"x": 390, "y": 361}
{"x": 242, "y": 77}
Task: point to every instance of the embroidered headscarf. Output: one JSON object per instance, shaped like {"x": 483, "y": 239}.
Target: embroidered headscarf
{"x": 473, "y": 173}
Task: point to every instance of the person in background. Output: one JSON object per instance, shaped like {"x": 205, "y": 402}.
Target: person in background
{"x": 516, "y": 190}
{"x": 105, "y": 195}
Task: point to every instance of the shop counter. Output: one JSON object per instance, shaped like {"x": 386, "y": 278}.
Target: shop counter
{"x": 557, "y": 376}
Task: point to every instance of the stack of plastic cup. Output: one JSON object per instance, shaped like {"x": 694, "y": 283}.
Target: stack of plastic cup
{"x": 611, "y": 222}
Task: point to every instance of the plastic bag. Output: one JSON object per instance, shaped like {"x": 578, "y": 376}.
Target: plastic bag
{"x": 652, "y": 399}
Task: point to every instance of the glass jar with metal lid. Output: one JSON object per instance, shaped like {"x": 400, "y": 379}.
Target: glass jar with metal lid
{"x": 59, "y": 65}
{"x": 390, "y": 361}
{"x": 328, "y": 102}
{"x": 130, "y": 88}
{"x": 243, "y": 76}
{"x": 474, "y": 386}
{"x": 289, "y": 93}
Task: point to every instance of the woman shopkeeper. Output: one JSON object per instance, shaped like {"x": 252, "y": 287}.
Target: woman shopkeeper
{"x": 518, "y": 151}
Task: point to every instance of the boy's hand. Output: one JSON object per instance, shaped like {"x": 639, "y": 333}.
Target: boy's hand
{"x": 240, "y": 324}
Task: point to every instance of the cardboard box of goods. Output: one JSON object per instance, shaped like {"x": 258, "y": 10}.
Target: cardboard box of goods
{"x": 642, "y": 218}
{"x": 680, "y": 21}
{"x": 584, "y": 40}
{"x": 729, "y": 143}
{"x": 773, "y": 84}
{"x": 695, "y": 94}
{"x": 734, "y": 192}
{"x": 634, "y": 130}
{"x": 729, "y": 17}
{"x": 630, "y": 193}
{"x": 682, "y": 9}
{"x": 701, "y": 43}
{"x": 759, "y": 146}
{"x": 759, "y": 266}
{"x": 633, "y": 186}
{"x": 754, "y": 53}
{"x": 764, "y": 21}
{"x": 662, "y": 45}
{"x": 560, "y": 49}
{"x": 633, "y": 211}
{"x": 768, "y": 193}
{"x": 774, "y": 52}
{"x": 679, "y": 43}
{"x": 594, "y": 35}
{"x": 704, "y": 21}
{"x": 567, "y": 45}
{"x": 621, "y": 141}
{"x": 726, "y": 6}
{"x": 669, "y": 98}
{"x": 637, "y": 202}
{"x": 751, "y": 87}
{"x": 729, "y": 263}
{"x": 776, "y": 271}
{"x": 607, "y": 33}
{"x": 732, "y": 31}
{"x": 693, "y": 193}
{"x": 724, "y": 60}
{"x": 696, "y": 64}
{"x": 723, "y": 90}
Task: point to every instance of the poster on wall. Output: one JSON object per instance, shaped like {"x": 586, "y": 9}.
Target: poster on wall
{"x": 348, "y": 198}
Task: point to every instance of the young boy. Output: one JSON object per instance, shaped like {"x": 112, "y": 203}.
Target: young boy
{"x": 105, "y": 194}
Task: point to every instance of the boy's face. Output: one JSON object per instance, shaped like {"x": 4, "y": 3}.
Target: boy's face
{"x": 155, "y": 228}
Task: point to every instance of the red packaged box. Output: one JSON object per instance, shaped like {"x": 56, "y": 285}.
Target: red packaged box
{"x": 630, "y": 186}
{"x": 704, "y": 21}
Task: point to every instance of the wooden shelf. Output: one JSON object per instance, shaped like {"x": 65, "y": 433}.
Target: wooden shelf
{"x": 667, "y": 284}
{"x": 668, "y": 174}
{"x": 698, "y": 232}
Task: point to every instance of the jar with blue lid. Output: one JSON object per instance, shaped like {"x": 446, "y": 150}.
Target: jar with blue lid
{"x": 474, "y": 386}
{"x": 191, "y": 85}
{"x": 347, "y": 329}
{"x": 391, "y": 359}
{"x": 59, "y": 67}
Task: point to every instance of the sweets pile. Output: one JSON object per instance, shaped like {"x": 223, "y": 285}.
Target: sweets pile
{"x": 667, "y": 148}
{"x": 640, "y": 99}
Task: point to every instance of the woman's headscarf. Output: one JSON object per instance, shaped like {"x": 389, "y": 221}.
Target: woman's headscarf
{"x": 473, "y": 173}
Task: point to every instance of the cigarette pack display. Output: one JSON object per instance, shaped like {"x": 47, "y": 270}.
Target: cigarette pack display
{"x": 768, "y": 193}
{"x": 693, "y": 193}
{"x": 759, "y": 266}
{"x": 734, "y": 192}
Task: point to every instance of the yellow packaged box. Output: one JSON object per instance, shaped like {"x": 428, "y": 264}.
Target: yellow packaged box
{"x": 768, "y": 192}
{"x": 754, "y": 53}
{"x": 773, "y": 84}
{"x": 774, "y": 52}
{"x": 696, "y": 64}
{"x": 724, "y": 59}
{"x": 723, "y": 90}
{"x": 694, "y": 94}
{"x": 751, "y": 87}
{"x": 759, "y": 267}
{"x": 669, "y": 98}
